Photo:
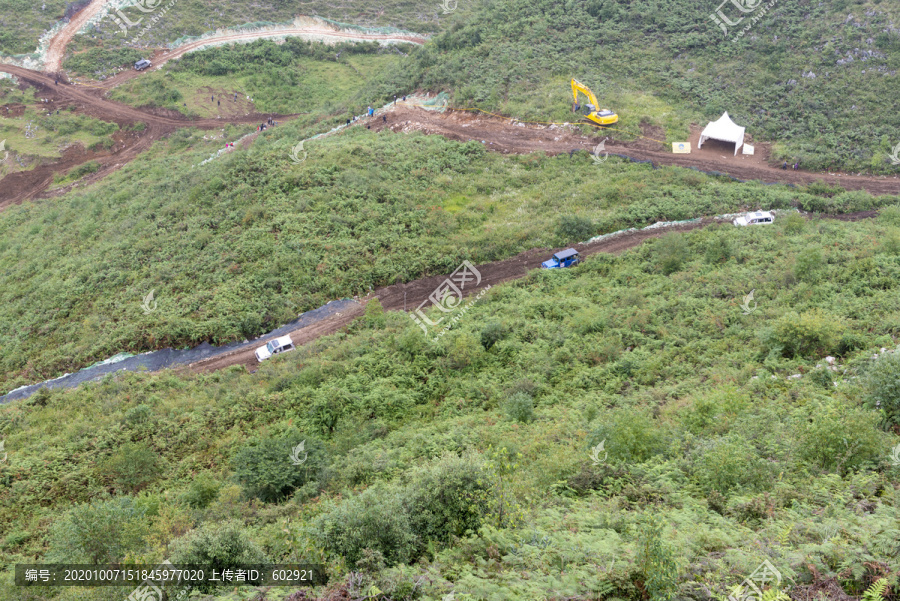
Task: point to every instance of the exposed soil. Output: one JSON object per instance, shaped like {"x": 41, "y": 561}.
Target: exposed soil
{"x": 508, "y": 136}
{"x": 12, "y": 110}
{"x": 403, "y": 297}
{"x": 57, "y": 48}
{"x": 23, "y": 185}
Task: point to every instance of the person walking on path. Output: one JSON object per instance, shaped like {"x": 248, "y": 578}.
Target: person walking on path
{"x": 384, "y": 118}
{"x": 784, "y": 166}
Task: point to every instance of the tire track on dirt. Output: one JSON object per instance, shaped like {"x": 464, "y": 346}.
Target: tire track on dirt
{"x": 403, "y": 297}
{"x": 56, "y": 50}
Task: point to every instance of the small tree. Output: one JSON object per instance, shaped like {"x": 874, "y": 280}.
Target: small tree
{"x": 132, "y": 467}
{"x": 656, "y": 561}
{"x": 266, "y": 470}
{"x": 100, "y": 532}
{"x": 219, "y": 546}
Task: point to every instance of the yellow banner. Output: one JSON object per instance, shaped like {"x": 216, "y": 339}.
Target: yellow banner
{"x": 681, "y": 147}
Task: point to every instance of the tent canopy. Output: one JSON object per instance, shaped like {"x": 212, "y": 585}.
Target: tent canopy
{"x": 723, "y": 129}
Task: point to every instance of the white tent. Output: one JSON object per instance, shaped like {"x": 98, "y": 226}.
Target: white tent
{"x": 723, "y": 129}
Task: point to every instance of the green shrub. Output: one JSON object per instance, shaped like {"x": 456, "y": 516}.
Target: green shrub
{"x": 808, "y": 264}
{"x": 571, "y": 228}
{"x": 374, "y": 317}
{"x": 656, "y": 560}
{"x": 718, "y": 250}
{"x": 794, "y": 223}
{"x": 713, "y": 412}
{"x": 727, "y": 464}
{"x": 812, "y": 333}
{"x": 630, "y": 436}
{"x": 839, "y": 438}
{"x": 217, "y": 546}
{"x": 672, "y": 252}
{"x": 265, "y": 469}
{"x": 375, "y": 519}
{"x": 491, "y": 334}
{"x": 202, "y": 491}
{"x": 519, "y": 407}
{"x": 448, "y": 497}
{"x": 890, "y": 215}
{"x": 138, "y": 415}
{"x": 99, "y": 532}
{"x": 882, "y": 382}
{"x": 132, "y": 467}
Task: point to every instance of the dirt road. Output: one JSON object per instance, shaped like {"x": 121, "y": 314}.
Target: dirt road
{"x": 399, "y": 297}
{"x": 56, "y": 51}
{"x": 503, "y": 135}
{"x": 23, "y": 185}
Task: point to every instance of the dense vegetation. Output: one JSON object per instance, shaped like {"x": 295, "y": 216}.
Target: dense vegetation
{"x": 472, "y": 464}
{"x": 245, "y": 243}
{"x": 787, "y": 80}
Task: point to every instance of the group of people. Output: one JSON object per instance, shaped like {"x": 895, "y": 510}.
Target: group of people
{"x": 269, "y": 122}
{"x": 796, "y": 165}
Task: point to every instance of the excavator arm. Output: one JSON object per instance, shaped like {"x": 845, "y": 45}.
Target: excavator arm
{"x": 577, "y": 86}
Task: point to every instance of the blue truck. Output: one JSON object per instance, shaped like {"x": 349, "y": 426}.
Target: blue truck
{"x": 564, "y": 258}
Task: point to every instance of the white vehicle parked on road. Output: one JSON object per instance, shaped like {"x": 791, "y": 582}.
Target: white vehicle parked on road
{"x": 273, "y": 347}
{"x": 754, "y": 218}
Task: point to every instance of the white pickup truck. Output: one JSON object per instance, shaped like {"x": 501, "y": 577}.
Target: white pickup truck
{"x": 273, "y": 347}
{"x": 754, "y": 218}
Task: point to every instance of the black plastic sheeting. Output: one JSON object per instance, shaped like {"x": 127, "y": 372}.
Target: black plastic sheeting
{"x": 162, "y": 359}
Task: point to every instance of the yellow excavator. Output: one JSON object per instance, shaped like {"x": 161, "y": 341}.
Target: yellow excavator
{"x": 591, "y": 110}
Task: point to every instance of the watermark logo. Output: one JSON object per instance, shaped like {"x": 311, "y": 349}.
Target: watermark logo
{"x": 146, "y": 304}
{"x": 751, "y": 588}
{"x": 744, "y": 7}
{"x": 595, "y": 453}
{"x": 151, "y": 590}
{"x": 895, "y": 455}
{"x": 746, "y": 306}
{"x": 449, "y": 6}
{"x": 895, "y": 159}
{"x": 448, "y": 297}
{"x": 145, "y": 6}
{"x": 295, "y": 153}
{"x": 295, "y": 454}
{"x": 3, "y": 453}
{"x": 30, "y": 130}
{"x": 601, "y": 147}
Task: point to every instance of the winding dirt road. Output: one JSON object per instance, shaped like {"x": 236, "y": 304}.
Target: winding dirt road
{"x": 56, "y": 51}
{"x": 400, "y": 297}
{"x": 23, "y": 185}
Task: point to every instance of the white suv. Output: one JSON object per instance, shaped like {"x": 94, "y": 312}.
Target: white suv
{"x": 754, "y": 218}
{"x": 278, "y": 345}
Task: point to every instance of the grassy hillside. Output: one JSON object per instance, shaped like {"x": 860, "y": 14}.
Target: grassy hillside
{"x": 467, "y": 464}
{"x": 515, "y": 55}
{"x": 240, "y": 245}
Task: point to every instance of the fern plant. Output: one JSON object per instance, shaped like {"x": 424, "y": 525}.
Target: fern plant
{"x": 876, "y": 591}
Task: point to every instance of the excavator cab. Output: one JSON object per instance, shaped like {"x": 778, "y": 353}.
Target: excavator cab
{"x": 598, "y": 116}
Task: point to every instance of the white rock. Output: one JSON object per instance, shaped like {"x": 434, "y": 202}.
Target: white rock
{"x": 829, "y": 360}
